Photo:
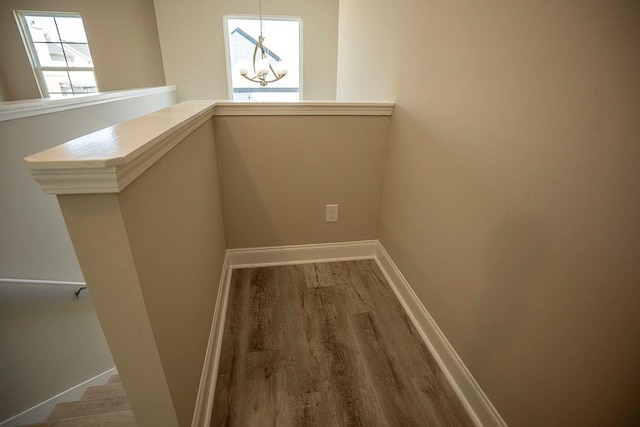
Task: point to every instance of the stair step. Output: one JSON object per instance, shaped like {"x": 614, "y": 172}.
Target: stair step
{"x": 114, "y": 379}
{"x": 83, "y": 408}
{"x": 112, "y": 419}
{"x": 102, "y": 391}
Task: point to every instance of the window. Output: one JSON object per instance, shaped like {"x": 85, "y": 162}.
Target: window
{"x": 282, "y": 41}
{"x": 59, "y": 52}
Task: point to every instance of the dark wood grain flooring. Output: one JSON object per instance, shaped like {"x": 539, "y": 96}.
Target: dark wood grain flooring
{"x": 326, "y": 344}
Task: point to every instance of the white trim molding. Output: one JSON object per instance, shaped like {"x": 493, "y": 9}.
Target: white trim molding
{"x": 39, "y": 282}
{"x": 207, "y": 388}
{"x": 303, "y": 108}
{"x": 301, "y": 254}
{"x": 474, "y": 400}
{"x": 39, "y": 412}
{"x": 12, "y": 110}
{"x": 108, "y": 160}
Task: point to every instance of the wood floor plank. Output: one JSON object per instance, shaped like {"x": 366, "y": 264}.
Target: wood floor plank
{"x": 264, "y": 305}
{"x": 301, "y": 365}
{"x": 81, "y": 408}
{"x": 114, "y": 379}
{"x": 325, "y": 344}
{"x": 231, "y": 371}
{"x": 318, "y": 275}
{"x": 440, "y": 401}
{"x": 105, "y": 390}
{"x": 390, "y": 385}
{"x": 339, "y": 357}
{"x": 112, "y": 419}
{"x": 354, "y": 299}
{"x": 398, "y": 328}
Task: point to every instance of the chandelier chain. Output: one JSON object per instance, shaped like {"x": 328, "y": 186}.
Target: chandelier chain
{"x": 260, "y": 7}
{"x": 261, "y": 65}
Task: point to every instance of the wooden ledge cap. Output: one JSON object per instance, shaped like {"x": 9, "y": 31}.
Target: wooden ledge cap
{"x": 303, "y": 108}
{"x": 108, "y": 160}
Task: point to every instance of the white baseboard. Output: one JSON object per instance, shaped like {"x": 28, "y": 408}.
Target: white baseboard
{"x": 300, "y": 254}
{"x": 204, "y": 400}
{"x": 475, "y": 401}
{"x": 477, "y": 404}
{"x": 39, "y": 412}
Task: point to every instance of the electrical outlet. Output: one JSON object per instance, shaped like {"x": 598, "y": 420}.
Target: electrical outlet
{"x": 332, "y": 213}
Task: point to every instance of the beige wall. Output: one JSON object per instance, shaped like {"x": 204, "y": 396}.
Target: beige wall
{"x": 50, "y": 341}
{"x": 3, "y": 91}
{"x": 34, "y": 243}
{"x": 177, "y": 208}
{"x": 153, "y": 256}
{"x": 122, "y": 34}
{"x": 193, "y": 51}
{"x": 510, "y": 197}
{"x": 278, "y": 173}
{"x": 100, "y": 238}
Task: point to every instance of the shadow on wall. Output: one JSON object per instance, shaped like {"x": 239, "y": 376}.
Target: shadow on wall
{"x": 254, "y": 214}
{"x": 514, "y": 254}
{"x": 469, "y": 253}
{"x": 278, "y": 173}
{"x": 43, "y": 330}
{"x": 513, "y": 257}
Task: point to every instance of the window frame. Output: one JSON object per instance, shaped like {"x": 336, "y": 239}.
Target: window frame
{"x": 29, "y": 45}
{"x": 229, "y": 66}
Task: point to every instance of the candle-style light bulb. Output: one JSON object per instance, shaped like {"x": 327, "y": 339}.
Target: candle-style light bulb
{"x": 262, "y": 66}
{"x": 243, "y": 68}
{"x": 281, "y": 68}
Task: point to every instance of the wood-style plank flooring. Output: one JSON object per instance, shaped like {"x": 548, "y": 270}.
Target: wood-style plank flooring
{"x": 326, "y": 344}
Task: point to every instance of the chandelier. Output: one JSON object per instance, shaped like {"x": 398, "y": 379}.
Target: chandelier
{"x": 263, "y": 72}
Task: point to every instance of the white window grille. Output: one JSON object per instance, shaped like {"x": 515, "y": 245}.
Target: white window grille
{"x": 58, "y": 50}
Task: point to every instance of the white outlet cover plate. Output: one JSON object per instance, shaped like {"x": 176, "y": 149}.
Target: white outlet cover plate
{"x": 332, "y": 213}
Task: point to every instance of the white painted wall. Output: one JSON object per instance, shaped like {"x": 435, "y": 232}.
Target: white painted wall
{"x": 193, "y": 52}
{"x": 49, "y": 341}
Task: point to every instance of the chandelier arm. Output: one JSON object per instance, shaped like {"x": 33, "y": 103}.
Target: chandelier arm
{"x": 259, "y": 76}
{"x": 274, "y": 80}
{"x": 255, "y": 51}
{"x": 272, "y": 70}
{"x": 251, "y": 79}
{"x": 277, "y": 77}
